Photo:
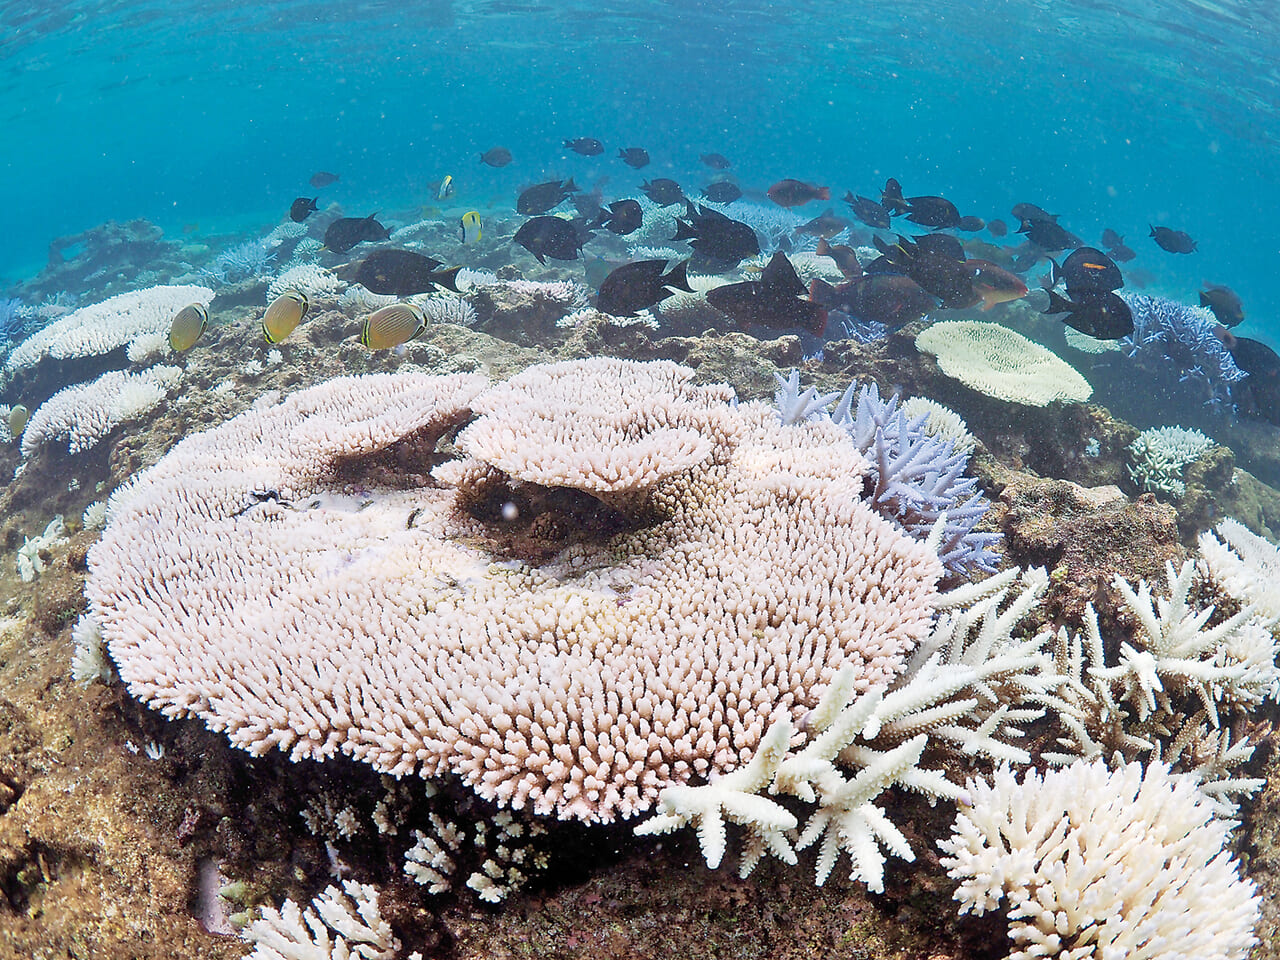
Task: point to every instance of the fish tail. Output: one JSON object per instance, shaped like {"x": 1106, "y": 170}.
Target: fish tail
{"x": 678, "y": 277}
{"x": 824, "y": 193}
{"x": 447, "y": 279}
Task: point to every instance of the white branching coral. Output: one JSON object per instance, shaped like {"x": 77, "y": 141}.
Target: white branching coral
{"x": 1244, "y": 565}
{"x": 1158, "y": 456}
{"x": 1096, "y": 863}
{"x": 340, "y": 924}
{"x": 30, "y": 561}
{"x": 941, "y": 421}
{"x": 315, "y": 281}
{"x": 964, "y": 693}
{"x": 84, "y": 413}
{"x": 106, "y": 326}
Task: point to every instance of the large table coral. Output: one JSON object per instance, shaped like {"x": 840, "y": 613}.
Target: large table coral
{"x": 612, "y": 581}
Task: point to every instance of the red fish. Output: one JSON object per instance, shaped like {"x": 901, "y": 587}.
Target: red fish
{"x": 793, "y": 193}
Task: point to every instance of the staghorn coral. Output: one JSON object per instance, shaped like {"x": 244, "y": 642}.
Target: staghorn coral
{"x": 1096, "y": 863}
{"x": 84, "y": 413}
{"x": 967, "y": 691}
{"x": 340, "y": 924}
{"x": 1245, "y": 566}
{"x": 995, "y": 361}
{"x": 1174, "y": 344}
{"x": 315, "y": 281}
{"x": 106, "y": 326}
{"x": 917, "y": 475}
{"x": 597, "y": 629}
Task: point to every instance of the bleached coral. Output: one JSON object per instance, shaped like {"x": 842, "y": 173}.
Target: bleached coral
{"x": 340, "y": 924}
{"x": 106, "y": 326}
{"x": 1244, "y": 565}
{"x": 568, "y": 292}
{"x": 448, "y": 308}
{"x": 89, "y": 660}
{"x": 1096, "y": 863}
{"x": 1158, "y": 456}
{"x": 316, "y": 282}
{"x": 583, "y": 605}
{"x": 940, "y": 421}
{"x": 30, "y": 561}
{"x": 84, "y": 413}
{"x": 430, "y": 861}
{"x": 966, "y": 693}
{"x": 997, "y": 362}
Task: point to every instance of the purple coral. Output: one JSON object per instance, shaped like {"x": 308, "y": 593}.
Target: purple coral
{"x": 915, "y": 476}
{"x": 1175, "y": 344}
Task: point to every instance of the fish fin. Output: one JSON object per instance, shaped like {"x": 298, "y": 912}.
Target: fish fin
{"x": 678, "y": 277}
{"x": 447, "y": 279}
{"x": 823, "y": 249}
{"x": 684, "y": 231}
{"x": 570, "y": 187}
{"x": 1058, "y": 304}
{"x": 1055, "y": 272}
{"x": 821, "y": 292}
{"x": 1153, "y": 230}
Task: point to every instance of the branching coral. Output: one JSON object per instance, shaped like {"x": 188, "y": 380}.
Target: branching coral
{"x": 339, "y": 924}
{"x": 1097, "y": 863}
{"x": 1158, "y": 455}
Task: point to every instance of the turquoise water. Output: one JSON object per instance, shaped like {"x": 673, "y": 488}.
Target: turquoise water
{"x": 212, "y": 116}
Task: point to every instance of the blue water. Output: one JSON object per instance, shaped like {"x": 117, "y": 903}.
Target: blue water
{"x": 211, "y": 116}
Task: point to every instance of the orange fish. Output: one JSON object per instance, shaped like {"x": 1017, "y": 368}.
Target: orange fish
{"x": 793, "y": 193}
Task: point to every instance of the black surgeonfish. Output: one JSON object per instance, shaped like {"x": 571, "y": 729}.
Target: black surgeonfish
{"x": 622, "y": 217}
{"x": 1116, "y": 247}
{"x": 716, "y": 236}
{"x": 722, "y": 191}
{"x": 937, "y": 267}
{"x": 301, "y": 208}
{"x": 552, "y": 237}
{"x": 586, "y": 146}
{"x": 1174, "y": 241}
{"x": 496, "y": 157}
{"x": 890, "y": 299}
{"x": 715, "y": 161}
{"x": 1048, "y": 235}
{"x": 1224, "y": 302}
{"x": 402, "y": 273}
{"x": 891, "y": 198}
{"x": 777, "y": 299}
{"x": 1030, "y": 213}
{"x": 1258, "y": 394}
{"x": 970, "y": 224}
{"x": 345, "y": 232}
{"x": 1098, "y": 314}
{"x": 662, "y": 191}
{"x": 542, "y": 197}
{"x": 1087, "y": 270}
{"x": 634, "y": 286}
{"x": 635, "y": 157}
{"x": 936, "y": 212}
{"x": 868, "y": 211}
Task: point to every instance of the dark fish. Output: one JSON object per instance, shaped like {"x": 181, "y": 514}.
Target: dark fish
{"x": 634, "y": 157}
{"x": 323, "y": 179}
{"x": 1101, "y": 315}
{"x": 934, "y": 266}
{"x": 402, "y": 273}
{"x": 942, "y": 244}
{"x": 997, "y": 228}
{"x": 623, "y": 217}
{"x": 587, "y": 146}
{"x": 891, "y": 198}
{"x": 1111, "y": 239}
{"x": 1224, "y": 302}
{"x": 1255, "y": 358}
{"x": 634, "y": 286}
{"x": 722, "y": 191}
{"x": 497, "y": 157}
{"x": 1121, "y": 254}
{"x": 662, "y": 191}
{"x": 777, "y": 299}
{"x": 1030, "y": 213}
{"x": 970, "y": 224}
{"x": 345, "y": 232}
{"x": 793, "y": 193}
{"x": 845, "y": 257}
{"x": 544, "y": 196}
{"x": 868, "y": 211}
{"x": 716, "y": 236}
{"x": 1174, "y": 241}
{"x": 551, "y": 237}
{"x": 1087, "y": 270}
{"x": 302, "y": 208}
{"x": 825, "y": 225}
{"x": 932, "y": 212}
{"x": 715, "y": 161}
{"x": 994, "y": 284}
{"x": 1048, "y": 236}
{"x": 887, "y": 298}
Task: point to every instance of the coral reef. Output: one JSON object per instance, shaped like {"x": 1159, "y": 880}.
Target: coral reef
{"x": 1158, "y": 456}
